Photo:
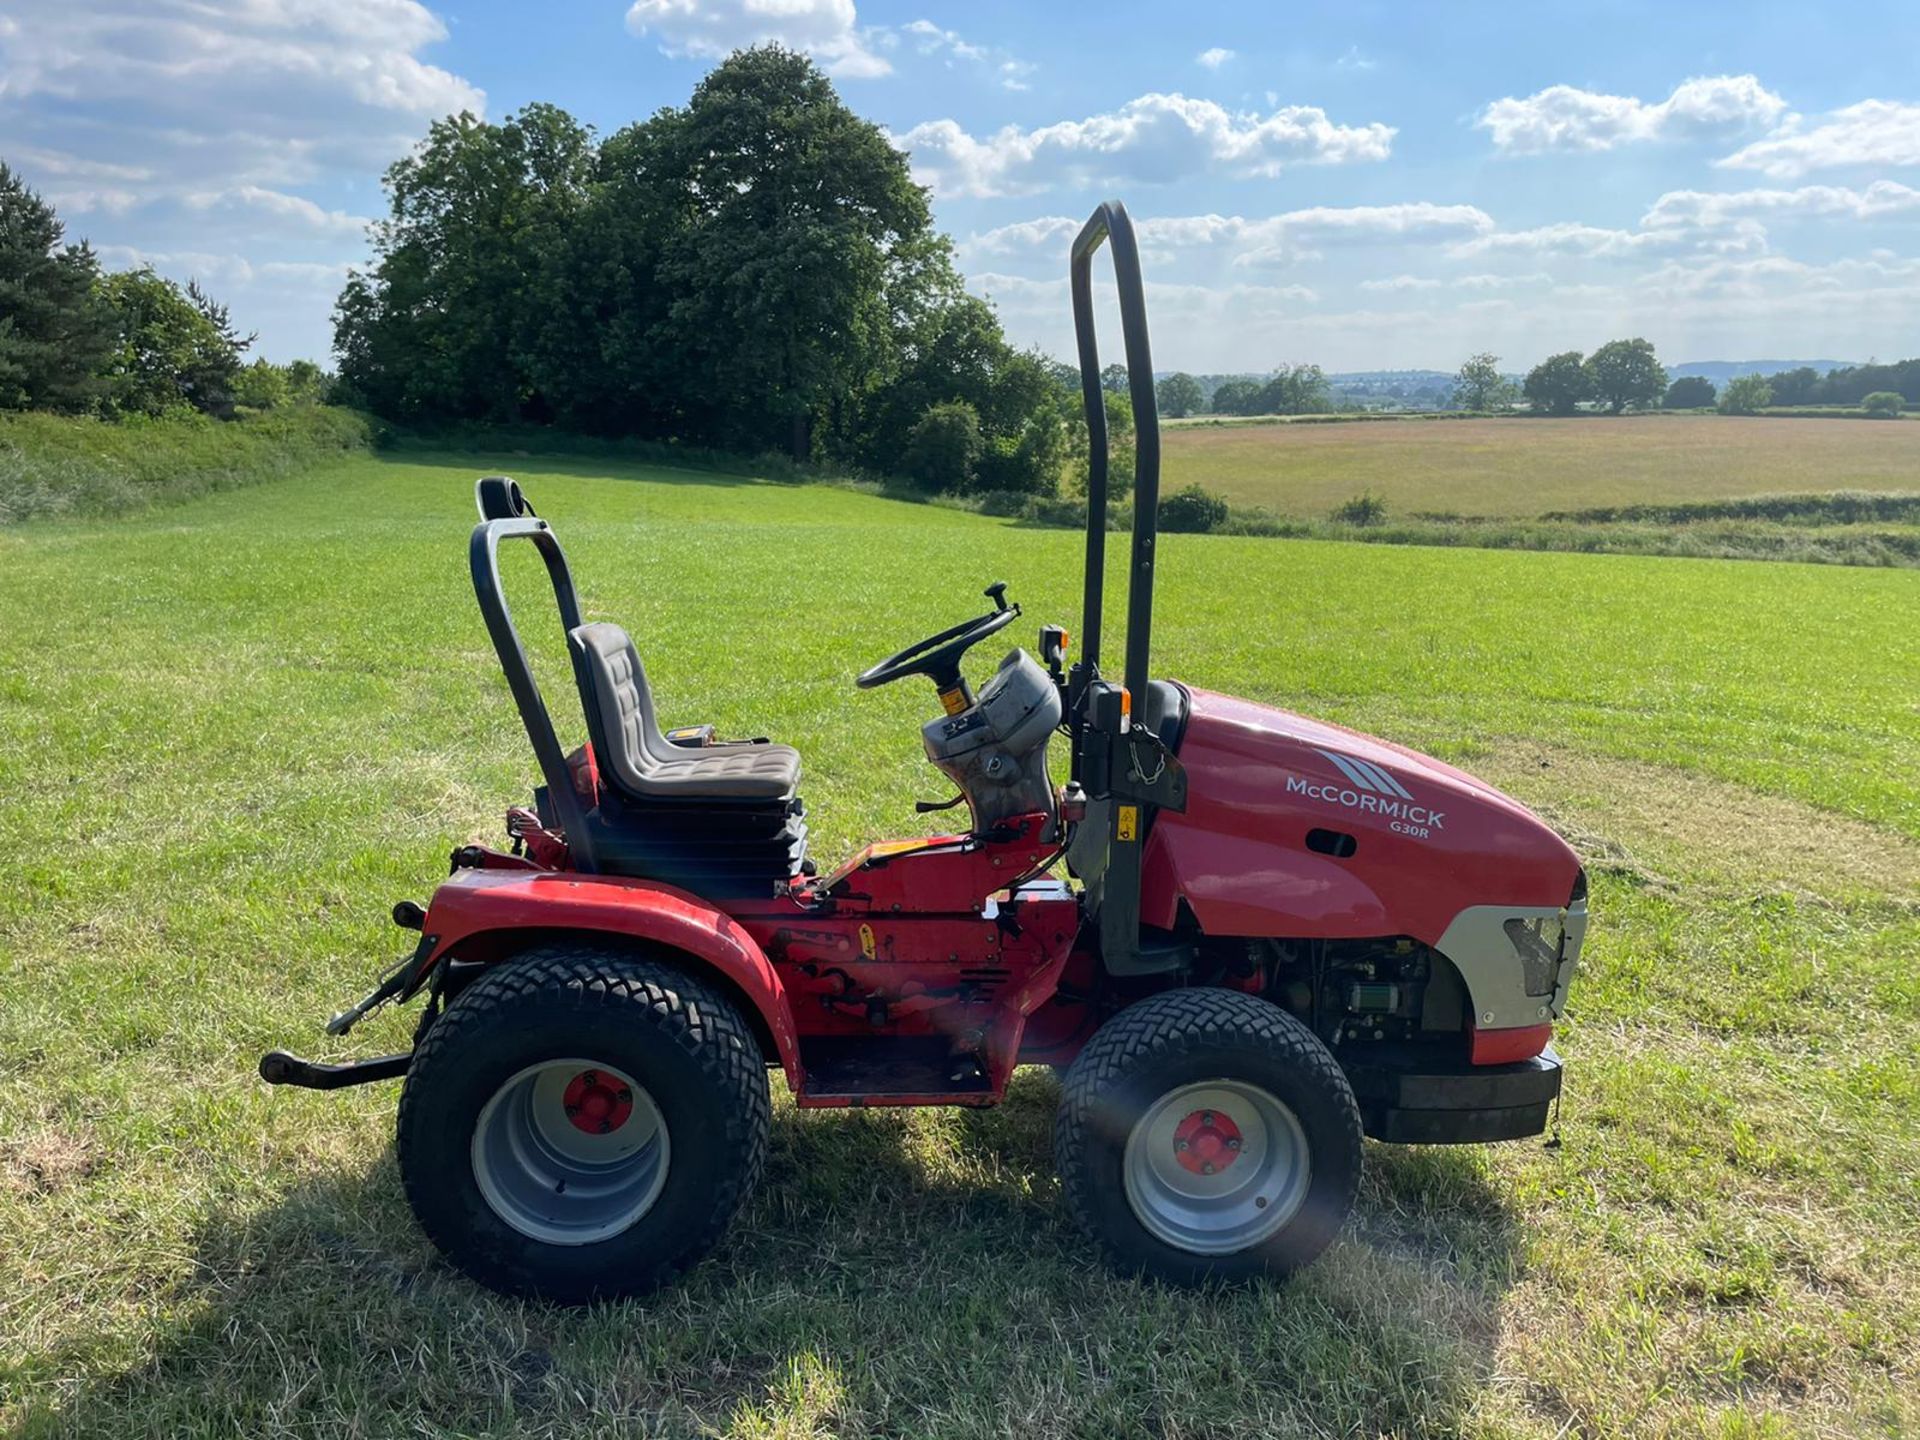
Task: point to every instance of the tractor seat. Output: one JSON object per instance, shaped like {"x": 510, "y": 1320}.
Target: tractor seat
{"x": 642, "y": 763}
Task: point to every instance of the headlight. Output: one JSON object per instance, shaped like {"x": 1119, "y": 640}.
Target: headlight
{"x": 1539, "y": 942}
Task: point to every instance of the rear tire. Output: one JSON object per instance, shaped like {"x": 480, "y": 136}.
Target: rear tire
{"x": 582, "y": 1124}
{"x": 1207, "y": 1134}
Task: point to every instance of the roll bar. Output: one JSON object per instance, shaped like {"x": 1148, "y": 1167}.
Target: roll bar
{"x": 1121, "y": 762}
{"x": 1110, "y": 224}
{"x": 507, "y": 516}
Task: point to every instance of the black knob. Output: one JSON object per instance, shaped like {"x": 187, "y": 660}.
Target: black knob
{"x": 997, "y": 592}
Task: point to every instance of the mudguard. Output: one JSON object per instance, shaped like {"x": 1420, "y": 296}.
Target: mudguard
{"x": 483, "y": 914}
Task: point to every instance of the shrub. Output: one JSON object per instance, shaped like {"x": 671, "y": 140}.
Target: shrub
{"x": 1366, "y": 508}
{"x": 1690, "y": 392}
{"x": 1029, "y": 462}
{"x": 944, "y": 446}
{"x": 1746, "y": 395}
{"x": 1194, "y": 510}
{"x": 1883, "y": 404}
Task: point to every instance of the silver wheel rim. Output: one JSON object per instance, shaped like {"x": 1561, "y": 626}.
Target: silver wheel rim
{"x": 1260, "y": 1171}
{"x": 570, "y": 1151}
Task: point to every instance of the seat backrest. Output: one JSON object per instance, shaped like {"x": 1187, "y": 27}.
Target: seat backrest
{"x": 617, "y": 701}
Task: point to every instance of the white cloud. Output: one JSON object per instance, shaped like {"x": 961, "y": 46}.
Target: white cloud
{"x": 1566, "y": 237}
{"x": 1708, "y": 209}
{"x": 1155, "y": 138}
{"x": 1354, "y": 60}
{"x": 280, "y": 205}
{"x": 1874, "y": 132}
{"x": 1214, "y": 58}
{"x": 930, "y": 39}
{"x": 230, "y": 140}
{"x": 1563, "y": 117}
{"x": 1401, "y": 283}
{"x": 360, "y": 51}
{"x": 1262, "y": 241}
{"x": 710, "y": 29}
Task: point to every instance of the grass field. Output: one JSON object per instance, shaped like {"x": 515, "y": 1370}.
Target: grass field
{"x": 1524, "y": 467}
{"x": 231, "y": 733}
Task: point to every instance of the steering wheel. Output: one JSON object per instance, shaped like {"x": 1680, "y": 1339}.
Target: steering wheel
{"x": 938, "y": 656}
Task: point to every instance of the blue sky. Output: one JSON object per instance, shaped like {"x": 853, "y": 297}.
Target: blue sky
{"x": 1362, "y": 185}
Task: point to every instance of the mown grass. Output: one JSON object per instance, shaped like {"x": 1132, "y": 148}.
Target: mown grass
{"x": 1521, "y": 467}
{"x": 58, "y": 465}
{"x": 232, "y": 732}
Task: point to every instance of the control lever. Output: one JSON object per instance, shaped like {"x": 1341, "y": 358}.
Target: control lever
{"x": 927, "y": 807}
{"x": 997, "y": 592}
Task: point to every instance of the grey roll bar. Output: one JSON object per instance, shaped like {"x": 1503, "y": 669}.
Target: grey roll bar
{"x": 1110, "y": 224}
{"x": 507, "y": 516}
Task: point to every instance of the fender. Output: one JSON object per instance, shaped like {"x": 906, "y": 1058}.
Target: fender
{"x": 478, "y": 906}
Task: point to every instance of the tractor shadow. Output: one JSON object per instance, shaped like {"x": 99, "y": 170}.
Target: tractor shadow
{"x": 897, "y": 1273}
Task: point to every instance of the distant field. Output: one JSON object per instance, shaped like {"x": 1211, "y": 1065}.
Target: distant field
{"x": 1524, "y": 467}
{"x": 234, "y": 731}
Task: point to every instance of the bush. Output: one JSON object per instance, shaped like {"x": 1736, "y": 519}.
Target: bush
{"x": 1746, "y": 395}
{"x": 1028, "y": 463}
{"x": 1194, "y": 510}
{"x": 1366, "y": 508}
{"x": 1690, "y": 392}
{"x": 1883, "y": 404}
{"x": 944, "y": 446}
{"x": 54, "y": 465}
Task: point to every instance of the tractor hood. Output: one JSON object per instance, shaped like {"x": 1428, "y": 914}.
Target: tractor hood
{"x": 1295, "y": 827}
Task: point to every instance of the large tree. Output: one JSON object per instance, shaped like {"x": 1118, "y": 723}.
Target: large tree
{"x": 1479, "y": 385}
{"x": 1558, "y": 384}
{"x": 1689, "y": 392}
{"x": 460, "y": 300}
{"x": 1238, "y": 396}
{"x": 177, "y": 348}
{"x": 1626, "y": 372}
{"x": 1180, "y": 395}
{"x": 792, "y": 208}
{"x": 1295, "y": 390}
{"x": 55, "y": 335}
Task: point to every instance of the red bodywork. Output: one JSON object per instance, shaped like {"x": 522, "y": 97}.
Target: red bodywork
{"x": 959, "y": 939}
{"x": 1259, "y": 779}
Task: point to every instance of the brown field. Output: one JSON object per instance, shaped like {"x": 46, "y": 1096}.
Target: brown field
{"x": 1522, "y": 467}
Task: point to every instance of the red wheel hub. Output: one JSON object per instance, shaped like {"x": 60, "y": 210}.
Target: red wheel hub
{"x": 597, "y": 1102}
{"x": 1206, "y": 1142}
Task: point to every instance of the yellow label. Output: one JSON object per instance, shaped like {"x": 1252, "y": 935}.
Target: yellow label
{"x": 1127, "y": 824}
{"x": 866, "y": 941}
{"x": 953, "y": 701}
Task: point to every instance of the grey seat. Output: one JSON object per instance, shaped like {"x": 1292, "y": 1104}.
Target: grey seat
{"x": 639, "y": 760}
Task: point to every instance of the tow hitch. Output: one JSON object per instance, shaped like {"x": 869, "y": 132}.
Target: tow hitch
{"x": 277, "y": 1067}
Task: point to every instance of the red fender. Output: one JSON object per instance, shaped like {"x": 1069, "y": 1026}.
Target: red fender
{"x": 477, "y": 904}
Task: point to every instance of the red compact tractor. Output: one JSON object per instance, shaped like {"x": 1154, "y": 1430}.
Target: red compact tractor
{"x": 1279, "y": 936}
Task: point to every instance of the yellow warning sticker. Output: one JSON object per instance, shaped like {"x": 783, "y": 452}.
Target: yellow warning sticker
{"x": 1127, "y": 825}
{"x": 866, "y": 941}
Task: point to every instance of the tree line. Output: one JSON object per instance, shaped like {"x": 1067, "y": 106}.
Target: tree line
{"x": 1626, "y": 374}
{"x": 78, "y": 340}
{"x": 755, "y": 271}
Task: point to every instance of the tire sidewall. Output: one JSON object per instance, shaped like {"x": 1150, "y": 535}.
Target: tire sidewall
{"x": 1327, "y": 1117}
{"x": 444, "y": 1101}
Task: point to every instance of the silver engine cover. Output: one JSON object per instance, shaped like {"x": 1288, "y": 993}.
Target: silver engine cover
{"x": 996, "y": 749}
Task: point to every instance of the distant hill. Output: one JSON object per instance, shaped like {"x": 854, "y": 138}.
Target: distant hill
{"x": 1721, "y": 371}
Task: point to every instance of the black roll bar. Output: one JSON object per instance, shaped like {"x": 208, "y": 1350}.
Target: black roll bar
{"x": 1111, "y": 224}
{"x": 483, "y": 553}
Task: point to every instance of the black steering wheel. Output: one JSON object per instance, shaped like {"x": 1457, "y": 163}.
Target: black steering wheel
{"x": 938, "y": 656}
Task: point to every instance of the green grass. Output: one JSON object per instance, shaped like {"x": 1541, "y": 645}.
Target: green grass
{"x": 232, "y": 732}
{"x": 1522, "y": 467}
{"x": 60, "y": 465}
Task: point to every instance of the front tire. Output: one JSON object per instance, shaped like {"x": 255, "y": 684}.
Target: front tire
{"x": 582, "y": 1124}
{"x": 1207, "y": 1134}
